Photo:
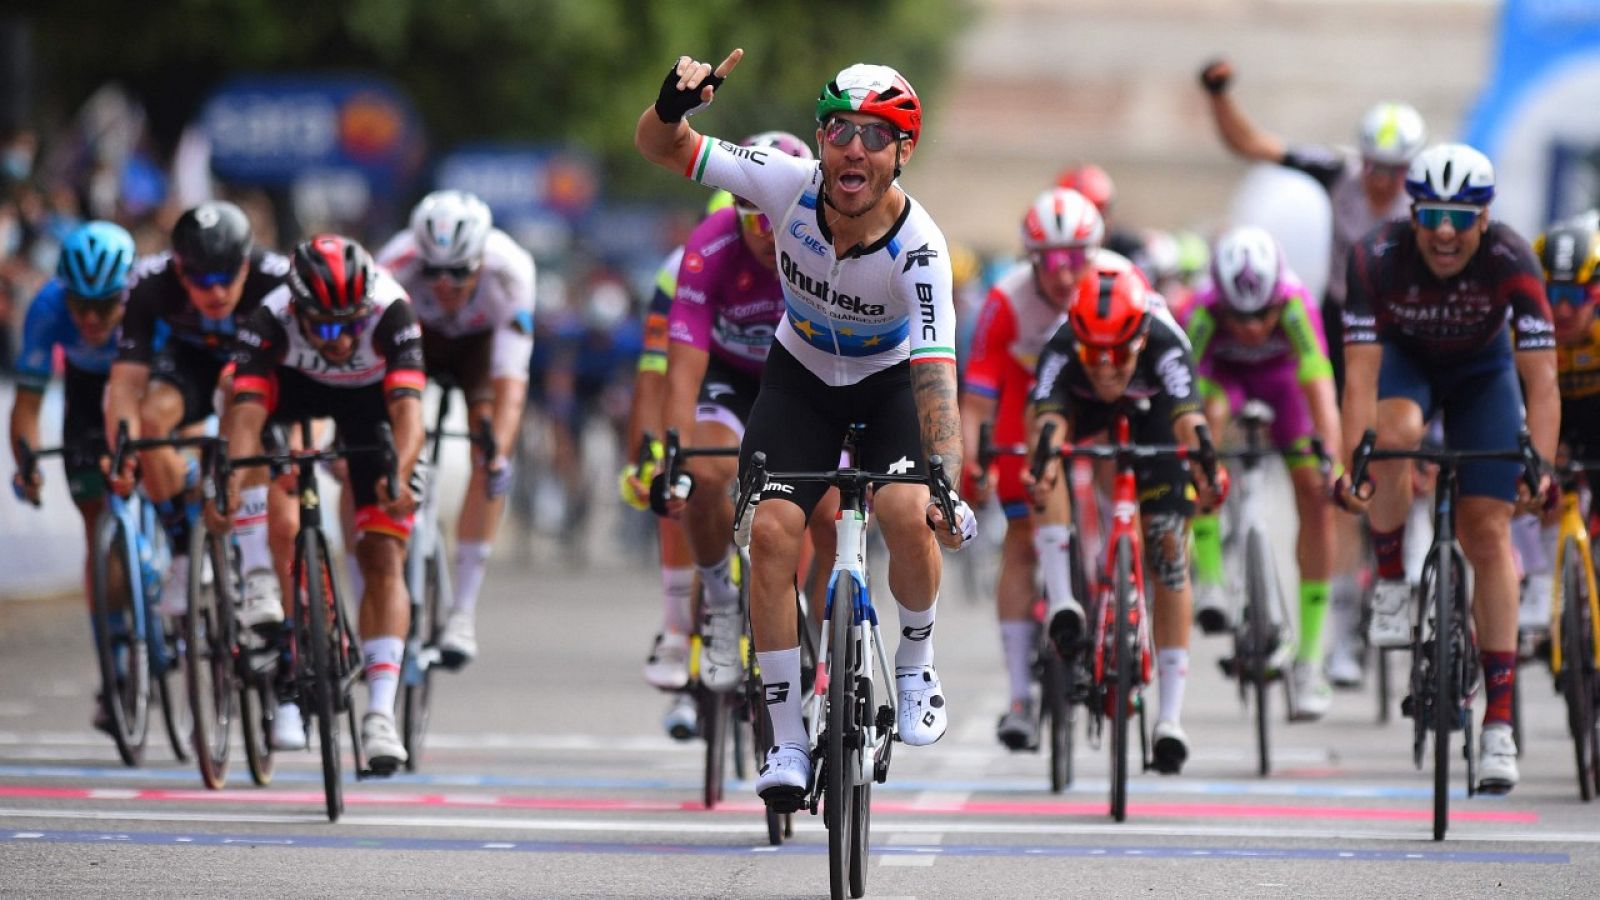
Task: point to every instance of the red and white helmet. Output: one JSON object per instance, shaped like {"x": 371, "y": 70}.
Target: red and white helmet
{"x": 1091, "y": 181}
{"x": 1060, "y": 217}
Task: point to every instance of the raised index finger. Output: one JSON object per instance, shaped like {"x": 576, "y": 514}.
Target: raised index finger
{"x": 728, "y": 64}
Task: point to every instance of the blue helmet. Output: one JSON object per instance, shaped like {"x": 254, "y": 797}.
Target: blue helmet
{"x": 95, "y": 259}
{"x": 1451, "y": 173}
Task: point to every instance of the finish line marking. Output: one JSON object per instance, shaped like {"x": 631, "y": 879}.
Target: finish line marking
{"x": 907, "y": 855}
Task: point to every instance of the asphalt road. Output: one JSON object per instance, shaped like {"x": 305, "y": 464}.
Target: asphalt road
{"x": 547, "y": 774}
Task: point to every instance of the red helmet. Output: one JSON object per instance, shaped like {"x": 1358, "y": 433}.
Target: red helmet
{"x": 332, "y": 277}
{"x": 1091, "y": 181}
{"x": 1110, "y": 309}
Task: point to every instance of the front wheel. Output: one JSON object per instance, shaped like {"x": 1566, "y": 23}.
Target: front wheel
{"x": 840, "y": 762}
{"x": 1125, "y": 648}
{"x": 1260, "y": 652}
{"x": 121, "y": 649}
{"x": 208, "y": 643}
{"x": 1577, "y": 658}
{"x": 416, "y": 698}
{"x": 318, "y": 679}
{"x": 1447, "y": 699}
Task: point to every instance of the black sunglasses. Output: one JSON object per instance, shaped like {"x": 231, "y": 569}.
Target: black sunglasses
{"x": 457, "y": 274}
{"x": 874, "y": 135}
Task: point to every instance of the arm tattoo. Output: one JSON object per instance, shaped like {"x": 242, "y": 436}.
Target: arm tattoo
{"x": 933, "y": 385}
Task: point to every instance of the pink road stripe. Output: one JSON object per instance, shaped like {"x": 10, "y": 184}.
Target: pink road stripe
{"x": 971, "y": 808}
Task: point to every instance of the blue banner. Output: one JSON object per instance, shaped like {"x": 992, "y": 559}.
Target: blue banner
{"x": 1538, "y": 119}
{"x": 523, "y": 182}
{"x": 270, "y": 130}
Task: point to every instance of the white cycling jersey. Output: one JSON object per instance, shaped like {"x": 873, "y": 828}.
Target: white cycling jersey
{"x": 273, "y": 334}
{"x": 503, "y": 300}
{"x": 847, "y": 316}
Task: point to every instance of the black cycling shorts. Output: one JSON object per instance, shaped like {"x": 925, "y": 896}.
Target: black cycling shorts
{"x": 1164, "y": 483}
{"x": 83, "y": 433}
{"x": 727, "y": 395}
{"x": 194, "y": 373}
{"x": 357, "y": 411}
{"x": 800, "y": 423}
{"x": 460, "y": 361}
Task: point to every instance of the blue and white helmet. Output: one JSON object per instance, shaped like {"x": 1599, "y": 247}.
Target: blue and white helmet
{"x": 95, "y": 259}
{"x": 451, "y": 228}
{"x": 1392, "y": 134}
{"x": 1451, "y": 173}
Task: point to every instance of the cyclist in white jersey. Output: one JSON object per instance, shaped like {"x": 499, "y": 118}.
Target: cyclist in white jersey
{"x": 472, "y": 289}
{"x": 868, "y": 336}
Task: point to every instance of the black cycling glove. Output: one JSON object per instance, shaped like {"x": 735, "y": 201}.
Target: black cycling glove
{"x": 1215, "y": 77}
{"x": 673, "y": 104}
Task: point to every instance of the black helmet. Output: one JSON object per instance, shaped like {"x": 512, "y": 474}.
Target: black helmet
{"x": 212, "y": 237}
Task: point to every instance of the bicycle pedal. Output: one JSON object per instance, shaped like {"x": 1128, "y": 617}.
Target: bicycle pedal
{"x": 1229, "y": 666}
{"x": 885, "y": 719}
{"x": 1407, "y": 706}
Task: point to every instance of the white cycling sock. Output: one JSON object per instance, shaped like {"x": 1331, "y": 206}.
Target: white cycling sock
{"x": 382, "y": 656}
{"x": 1172, "y": 670}
{"x": 916, "y": 636}
{"x": 780, "y": 685}
{"x": 677, "y": 591}
{"x": 1051, "y": 543}
{"x": 717, "y": 582}
{"x": 250, "y": 529}
{"x": 1017, "y": 637}
{"x": 470, "y": 559}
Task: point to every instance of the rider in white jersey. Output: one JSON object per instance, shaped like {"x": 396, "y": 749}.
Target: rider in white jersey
{"x": 472, "y": 289}
{"x": 868, "y": 337}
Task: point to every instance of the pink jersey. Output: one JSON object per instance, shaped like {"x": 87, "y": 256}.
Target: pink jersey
{"x": 728, "y": 302}
{"x": 1297, "y": 341}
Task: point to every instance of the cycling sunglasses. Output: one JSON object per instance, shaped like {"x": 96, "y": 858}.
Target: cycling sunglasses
{"x": 1432, "y": 215}
{"x": 1055, "y": 259}
{"x": 1100, "y": 355}
{"x": 330, "y": 330}
{"x": 98, "y": 306}
{"x": 456, "y": 274}
{"x": 208, "y": 280}
{"x": 751, "y": 220}
{"x": 1569, "y": 294}
{"x": 1239, "y": 315}
{"x": 874, "y": 135}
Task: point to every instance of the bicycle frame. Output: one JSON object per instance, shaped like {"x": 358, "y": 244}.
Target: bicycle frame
{"x": 1124, "y": 523}
{"x": 149, "y": 556}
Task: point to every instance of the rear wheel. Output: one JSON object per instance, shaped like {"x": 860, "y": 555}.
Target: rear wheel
{"x": 840, "y": 763}
{"x": 208, "y": 641}
{"x": 1124, "y": 660}
{"x": 257, "y": 706}
{"x": 1260, "y": 653}
{"x": 121, "y": 650}
{"x": 417, "y": 698}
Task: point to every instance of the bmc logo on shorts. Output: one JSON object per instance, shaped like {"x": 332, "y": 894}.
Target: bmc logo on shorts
{"x": 777, "y": 487}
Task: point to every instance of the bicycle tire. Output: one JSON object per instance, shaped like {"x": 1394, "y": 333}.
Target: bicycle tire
{"x": 714, "y": 722}
{"x": 1575, "y": 651}
{"x": 125, "y": 699}
{"x": 174, "y": 702}
{"x": 1123, "y": 662}
{"x": 1055, "y": 689}
{"x": 208, "y": 657}
{"x": 861, "y": 836}
{"x": 416, "y": 701}
{"x": 1446, "y": 702}
{"x": 318, "y": 677}
{"x": 839, "y": 769}
{"x": 1256, "y": 585}
{"x": 255, "y": 725}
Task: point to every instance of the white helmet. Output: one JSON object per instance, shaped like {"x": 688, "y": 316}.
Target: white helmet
{"x": 1062, "y": 217}
{"x": 1451, "y": 173}
{"x": 450, "y": 228}
{"x": 1246, "y": 267}
{"x": 1392, "y": 134}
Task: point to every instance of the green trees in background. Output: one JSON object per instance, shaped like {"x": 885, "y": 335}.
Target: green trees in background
{"x": 560, "y": 70}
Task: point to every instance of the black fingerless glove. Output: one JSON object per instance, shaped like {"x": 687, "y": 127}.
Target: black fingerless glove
{"x": 673, "y": 104}
{"x": 1214, "y": 82}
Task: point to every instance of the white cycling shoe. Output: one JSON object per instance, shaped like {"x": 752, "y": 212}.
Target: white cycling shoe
{"x": 1211, "y": 608}
{"x": 380, "y": 740}
{"x": 288, "y": 729}
{"x": 682, "y": 720}
{"x": 1344, "y": 664}
{"x": 785, "y": 777}
{"x": 1497, "y": 760}
{"x": 720, "y": 666}
{"x": 1391, "y": 614}
{"x": 175, "y": 588}
{"x": 262, "y": 604}
{"x": 458, "y": 644}
{"x": 922, "y": 713}
{"x": 1312, "y": 695}
{"x": 668, "y": 665}
{"x": 1171, "y": 748}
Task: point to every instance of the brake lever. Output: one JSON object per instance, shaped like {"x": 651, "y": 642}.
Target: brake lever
{"x": 939, "y": 483}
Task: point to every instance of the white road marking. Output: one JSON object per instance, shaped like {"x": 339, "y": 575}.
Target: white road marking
{"x": 905, "y": 860}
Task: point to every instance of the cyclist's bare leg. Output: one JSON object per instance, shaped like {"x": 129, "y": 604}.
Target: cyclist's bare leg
{"x": 1166, "y": 536}
{"x": 914, "y": 562}
{"x": 776, "y": 535}
{"x": 1400, "y": 427}
{"x": 480, "y": 517}
{"x": 1484, "y": 528}
{"x": 1314, "y": 552}
{"x": 90, "y": 511}
{"x": 824, "y": 548}
{"x": 708, "y": 518}
{"x": 1014, "y": 596}
{"x": 161, "y": 468}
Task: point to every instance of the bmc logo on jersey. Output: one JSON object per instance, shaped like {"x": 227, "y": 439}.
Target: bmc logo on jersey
{"x": 759, "y": 157}
{"x": 797, "y": 230}
{"x": 1174, "y": 374}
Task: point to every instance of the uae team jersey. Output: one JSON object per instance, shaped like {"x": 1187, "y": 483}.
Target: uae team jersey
{"x": 389, "y": 349}
{"x": 49, "y": 326}
{"x": 846, "y": 316}
{"x": 1396, "y": 298}
{"x": 727, "y": 303}
{"x": 503, "y": 301}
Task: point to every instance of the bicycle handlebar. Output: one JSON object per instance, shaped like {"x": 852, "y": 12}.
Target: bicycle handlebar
{"x": 283, "y": 459}
{"x": 1365, "y": 452}
{"x": 937, "y": 480}
{"x": 28, "y": 462}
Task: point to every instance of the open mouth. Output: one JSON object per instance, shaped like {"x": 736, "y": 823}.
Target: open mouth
{"x": 850, "y": 182}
